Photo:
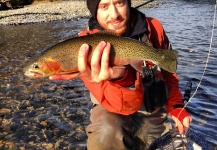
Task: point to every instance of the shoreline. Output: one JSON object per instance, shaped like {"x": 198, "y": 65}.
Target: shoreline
{"x": 45, "y": 11}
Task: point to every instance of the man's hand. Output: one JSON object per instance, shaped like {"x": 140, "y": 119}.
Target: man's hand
{"x": 181, "y": 118}
{"x": 99, "y": 68}
{"x": 181, "y": 126}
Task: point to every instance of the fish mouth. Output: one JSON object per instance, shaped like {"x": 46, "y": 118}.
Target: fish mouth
{"x": 34, "y": 74}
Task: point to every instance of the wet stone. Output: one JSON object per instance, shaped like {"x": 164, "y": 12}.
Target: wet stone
{"x": 80, "y": 136}
{"x": 8, "y": 145}
{"x": 14, "y": 126}
{"x": 48, "y": 145}
{"x": 5, "y": 111}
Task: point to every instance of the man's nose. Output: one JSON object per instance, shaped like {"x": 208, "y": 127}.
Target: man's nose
{"x": 114, "y": 13}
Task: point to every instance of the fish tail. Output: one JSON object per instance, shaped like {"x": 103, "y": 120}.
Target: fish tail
{"x": 170, "y": 66}
{"x": 168, "y": 60}
{"x": 170, "y": 54}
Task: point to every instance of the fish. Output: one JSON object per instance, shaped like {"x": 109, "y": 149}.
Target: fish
{"x": 62, "y": 57}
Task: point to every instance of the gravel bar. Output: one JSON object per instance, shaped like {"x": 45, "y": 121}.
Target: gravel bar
{"x": 45, "y": 11}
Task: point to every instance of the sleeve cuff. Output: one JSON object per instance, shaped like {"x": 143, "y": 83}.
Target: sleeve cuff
{"x": 128, "y": 79}
{"x": 179, "y": 113}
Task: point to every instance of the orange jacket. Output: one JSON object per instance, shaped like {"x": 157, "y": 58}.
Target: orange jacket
{"x": 115, "y": 97}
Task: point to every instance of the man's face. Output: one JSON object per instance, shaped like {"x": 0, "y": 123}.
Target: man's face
{"x": 113, "y": 15}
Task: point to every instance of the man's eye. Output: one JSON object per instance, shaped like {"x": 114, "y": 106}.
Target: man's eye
{"x": 120, "y": 3}
{"x": 103, "y": 7}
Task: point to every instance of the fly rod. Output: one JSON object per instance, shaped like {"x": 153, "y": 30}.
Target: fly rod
{"x": 143, "y": 4}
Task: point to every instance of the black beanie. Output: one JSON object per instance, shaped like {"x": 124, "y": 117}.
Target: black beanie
{"x": 92, "y": 5}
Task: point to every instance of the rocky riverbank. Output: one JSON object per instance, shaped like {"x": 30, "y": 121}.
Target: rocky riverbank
{"x": 44, "y": 11}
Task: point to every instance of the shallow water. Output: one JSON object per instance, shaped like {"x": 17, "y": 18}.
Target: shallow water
{"x": 55, "y": 113}
{"x": 188, "y": 25}
{"x": 39, "y": 113}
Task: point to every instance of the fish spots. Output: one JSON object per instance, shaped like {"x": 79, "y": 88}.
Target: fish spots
{"x": 124, "y": 51}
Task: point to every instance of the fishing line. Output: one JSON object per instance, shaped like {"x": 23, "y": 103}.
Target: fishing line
{"x": 210, "y": 47}
{"x": 145, "y": 3}
{"x": 209, "y": 51}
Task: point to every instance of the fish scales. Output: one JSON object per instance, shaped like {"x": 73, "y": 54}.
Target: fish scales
{"x": 124, "y": 51}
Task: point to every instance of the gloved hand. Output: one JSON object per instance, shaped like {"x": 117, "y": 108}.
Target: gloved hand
{"x": 181, "y": 118}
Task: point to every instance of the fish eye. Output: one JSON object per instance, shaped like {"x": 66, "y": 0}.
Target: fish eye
{"x": 35, "y": 66}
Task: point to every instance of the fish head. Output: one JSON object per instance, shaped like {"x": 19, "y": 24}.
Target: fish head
{"x": 41, "y": 68}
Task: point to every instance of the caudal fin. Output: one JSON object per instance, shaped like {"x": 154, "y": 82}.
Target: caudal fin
{"x": 169, "y": 65}
{"x": 168, "y": 60}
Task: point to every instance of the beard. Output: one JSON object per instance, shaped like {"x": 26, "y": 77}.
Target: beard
{"x": 120, "y": 29}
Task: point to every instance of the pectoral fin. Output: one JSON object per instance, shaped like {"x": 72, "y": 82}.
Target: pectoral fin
{"x": 119, "y": 67}
{"x": 137, "y": 65}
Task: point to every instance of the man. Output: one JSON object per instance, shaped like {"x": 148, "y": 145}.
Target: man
{"x": 126, "y": 113}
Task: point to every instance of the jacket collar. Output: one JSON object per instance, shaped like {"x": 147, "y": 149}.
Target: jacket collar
{"x": 138, "y": 24}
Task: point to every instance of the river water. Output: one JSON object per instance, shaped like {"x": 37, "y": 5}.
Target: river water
{"x": 188, "y": 24}
{"x": 43, "y": 114}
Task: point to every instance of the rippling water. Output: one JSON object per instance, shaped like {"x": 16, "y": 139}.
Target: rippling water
{"x": 188, "y": 25}
{"x": 48, "y": 110}
{"x": 39, "y": 114}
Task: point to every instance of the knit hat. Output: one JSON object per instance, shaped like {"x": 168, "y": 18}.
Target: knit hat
{"x": 92, "y": 5}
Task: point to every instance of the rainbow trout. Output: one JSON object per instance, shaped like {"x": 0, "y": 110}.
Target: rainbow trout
{"x": 62, "y": 58}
